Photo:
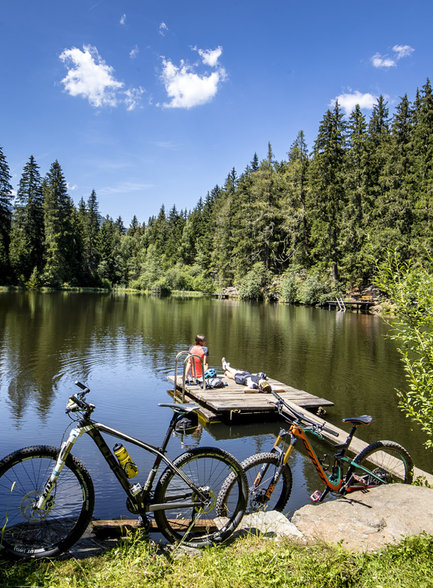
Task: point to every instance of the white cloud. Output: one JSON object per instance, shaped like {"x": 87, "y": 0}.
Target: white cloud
{"x": 163, "y": 28}
{"x": 403, "y": 50}
{"x": 133, "y": 98}
{"x": 400, "y": 51}
{"x": 348, "y": 101}
{"x": 185, "y": 87}
{"x": 134, "y": 52}
{"x": 123, "y": 19}
{"x": 91, "y": 78}
{"x": 378, "y": 61}
{"x": 210, "y": 57}
{"x": 125, "y": 188}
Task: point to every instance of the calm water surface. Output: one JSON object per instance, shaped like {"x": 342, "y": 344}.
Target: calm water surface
{"x": 124, "y": 346}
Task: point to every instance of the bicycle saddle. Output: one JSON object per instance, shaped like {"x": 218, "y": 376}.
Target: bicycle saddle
{"x": 185, "y": 407}
{"x": 365, "y": 419}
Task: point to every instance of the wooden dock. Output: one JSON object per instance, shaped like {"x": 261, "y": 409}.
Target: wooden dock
{"x": 231, "y": 401}
{"x": 357, "y": 305}
{"x": 226, "y": 403}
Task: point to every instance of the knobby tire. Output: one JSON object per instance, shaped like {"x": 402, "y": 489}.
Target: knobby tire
{"x": 393, "y": 463}
{"x": 200, "y": 526}
{"x": 27, "y": 533}
{"x": 257, "y": 499}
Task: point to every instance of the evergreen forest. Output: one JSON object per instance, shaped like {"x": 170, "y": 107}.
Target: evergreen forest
{"x": 316, "y": 223}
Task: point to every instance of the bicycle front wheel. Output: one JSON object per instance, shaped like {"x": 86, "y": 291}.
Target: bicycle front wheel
{"x": 189, "y": 516}
{"x": 389, "y": 463}
{"x": 264, "y": 493}
{"x": 28, "y": 532}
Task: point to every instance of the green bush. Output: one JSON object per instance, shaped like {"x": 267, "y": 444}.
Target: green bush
{"x": 313, "y": 290}
{"x": 251, "y": 287}
{"x": 290, "y": 288}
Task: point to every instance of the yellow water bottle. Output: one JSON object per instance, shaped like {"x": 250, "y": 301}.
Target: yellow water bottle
{"x": 129, "y": 467}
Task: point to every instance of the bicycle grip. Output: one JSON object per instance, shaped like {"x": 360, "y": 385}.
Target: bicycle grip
{"x": 82, "y": 386}
{"x": 331, "y": 432}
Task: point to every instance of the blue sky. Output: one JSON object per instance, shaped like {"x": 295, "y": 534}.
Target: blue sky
{"x": 152, "y": 102}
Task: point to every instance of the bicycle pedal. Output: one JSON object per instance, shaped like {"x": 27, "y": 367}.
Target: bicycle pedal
{"x": 316, "y": 496}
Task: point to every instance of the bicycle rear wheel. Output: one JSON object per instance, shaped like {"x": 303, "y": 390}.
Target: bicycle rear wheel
{"x": 196, "y": 522}
{"x": 26, "y": 532}
{"x": 388, "y": 461}
{"x": 260, "y": 470}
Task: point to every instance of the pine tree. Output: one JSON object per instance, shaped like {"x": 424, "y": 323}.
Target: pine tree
{"x": 357, "y": 212}
{"x": 27, "y": 234}
{"x": 221, "y": 265}
{"x": 423, "y": 167}
{"x": 91, "y": 233}
{"x": 268, "y": 242}
{"x": 61, "y": 247}
{"x": 111, "y": 266}
{"x": 398, "y": 176}
{"x": 327, "y": 198}
{"x": 294, "y": 203}
{"x": 6, "y": 197}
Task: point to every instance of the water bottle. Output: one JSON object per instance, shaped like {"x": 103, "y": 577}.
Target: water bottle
{"x": 129, "y": 467}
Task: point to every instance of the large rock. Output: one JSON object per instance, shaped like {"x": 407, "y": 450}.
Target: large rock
{"x": 369, "y": 521}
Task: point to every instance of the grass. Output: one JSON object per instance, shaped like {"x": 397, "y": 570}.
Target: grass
{"x": 248, "y": 562}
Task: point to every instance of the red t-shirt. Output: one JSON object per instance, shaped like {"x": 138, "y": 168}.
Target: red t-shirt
{"x": 202, "y": 352}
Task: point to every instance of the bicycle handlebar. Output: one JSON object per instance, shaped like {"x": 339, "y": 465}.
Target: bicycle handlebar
{"x": 85, "y": 389}
{"x": 76, "y": 401}
{"x": 300, "y": 417}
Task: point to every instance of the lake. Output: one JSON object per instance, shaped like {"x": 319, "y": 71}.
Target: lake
{"x": 123, "y": 346}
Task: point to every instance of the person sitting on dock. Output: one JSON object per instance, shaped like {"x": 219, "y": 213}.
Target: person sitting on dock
{"x": 251, "y": 381}
{"x": 194, "y": 364}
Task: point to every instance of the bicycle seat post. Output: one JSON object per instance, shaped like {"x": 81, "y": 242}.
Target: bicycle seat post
{"x": 343, "y": 446}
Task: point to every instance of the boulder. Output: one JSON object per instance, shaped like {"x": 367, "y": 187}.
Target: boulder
{"x": 371, "y": 520}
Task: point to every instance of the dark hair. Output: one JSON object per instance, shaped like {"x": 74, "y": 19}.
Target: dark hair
{"x": 200, "y": 339}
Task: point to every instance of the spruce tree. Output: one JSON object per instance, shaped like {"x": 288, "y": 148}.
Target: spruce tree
{"x": 327, "y": 197}
{"x": 422, "y": 146}
{"x": 356, "y": 214}
{"x": 294, "y": 203}
{"x": 111, "y": 266}
{"x": 6, "y": 197}
{"x": 268, "y": 242}
{"x": 91, "y": 233}
{"x": 27, "y": 235}
{"x": 398, "y": 175}
{"x": 61, "y": 263}
{"x": 221, "y": 265}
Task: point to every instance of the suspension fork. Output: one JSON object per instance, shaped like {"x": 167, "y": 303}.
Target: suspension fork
{"x": 65, "y": 450}
{"x": 283, "y": 459}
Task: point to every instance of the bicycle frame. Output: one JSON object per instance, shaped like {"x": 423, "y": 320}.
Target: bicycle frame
{"x": 335, "y": 482}
{"x": 141, "y": 499}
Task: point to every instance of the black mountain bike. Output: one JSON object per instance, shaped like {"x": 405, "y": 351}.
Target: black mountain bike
{"x": 47, "y": 495}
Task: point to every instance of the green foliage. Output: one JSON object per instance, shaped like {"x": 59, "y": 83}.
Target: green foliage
{"x": 290, "y": 286}
{"x": 34, "y": 282}
{"x": 5, "y": 216}
{"x": 251, "y": 287}
{"x": 315, "y": 289}
{"x": 409, "y": 284}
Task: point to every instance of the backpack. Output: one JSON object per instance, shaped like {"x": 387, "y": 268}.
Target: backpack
{"x": 214, "y": 383}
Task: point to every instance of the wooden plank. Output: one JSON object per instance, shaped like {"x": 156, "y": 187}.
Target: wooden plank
{"x": 122, "y": 527}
